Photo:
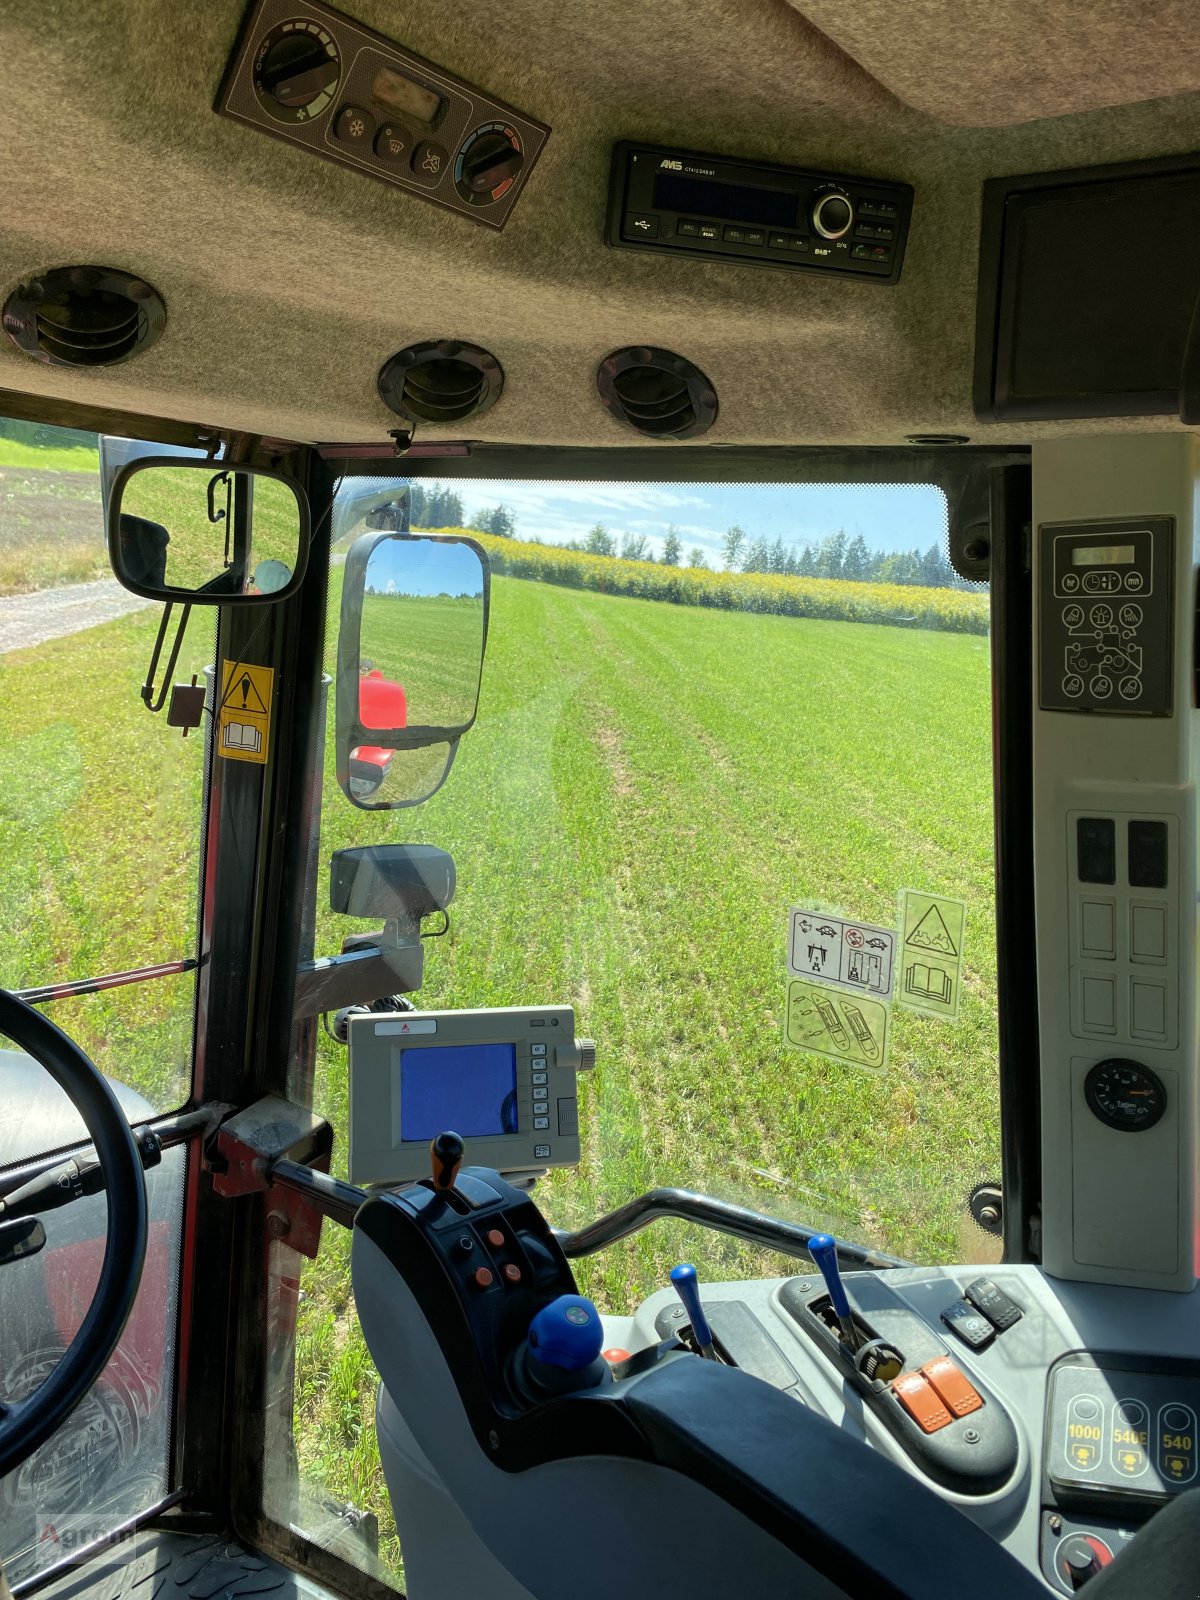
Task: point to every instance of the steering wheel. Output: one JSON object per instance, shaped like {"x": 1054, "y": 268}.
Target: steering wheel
{"x": 28, "y": 1423}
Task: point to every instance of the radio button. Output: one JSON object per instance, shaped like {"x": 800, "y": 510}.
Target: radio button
{"x": 754, "y": 236}
{"x": 735, "y": 235}
{"x": 709, "y": 230}
{"x": 690, "y": 230}
{"x": 780, "y": 241}
{"x": 641, "y": 225}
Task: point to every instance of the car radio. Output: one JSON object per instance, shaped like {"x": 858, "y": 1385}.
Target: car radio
{"x": 502, "y": 1079}
{"x": 725, "y": 209}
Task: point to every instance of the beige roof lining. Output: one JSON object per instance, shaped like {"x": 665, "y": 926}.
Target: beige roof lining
{"x": 289, "y": 281}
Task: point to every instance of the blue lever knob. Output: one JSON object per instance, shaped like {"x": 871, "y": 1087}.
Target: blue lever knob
{"x": 567, "y": 1333}
{"x": 822, "y": 1247}
{"x": 687, "y": 1287}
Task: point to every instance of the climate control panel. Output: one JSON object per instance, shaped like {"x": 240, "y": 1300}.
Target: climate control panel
{"x": 1107, "y": 604}
{"x": 319, "y": 80}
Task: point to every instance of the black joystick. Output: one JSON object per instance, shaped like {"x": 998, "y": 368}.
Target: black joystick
{"x": 446, "y": 1152}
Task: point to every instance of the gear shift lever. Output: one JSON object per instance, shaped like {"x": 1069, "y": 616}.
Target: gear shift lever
{"x": 822, "y": 1247}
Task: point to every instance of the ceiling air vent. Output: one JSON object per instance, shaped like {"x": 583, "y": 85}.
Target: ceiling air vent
{"x": 657, "y": 393}
{"x": 84, "y": 316}
{"x": 440, "y": 381}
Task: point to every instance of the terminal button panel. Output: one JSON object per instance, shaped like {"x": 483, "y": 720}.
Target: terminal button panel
{"x": 1107, "y": 595}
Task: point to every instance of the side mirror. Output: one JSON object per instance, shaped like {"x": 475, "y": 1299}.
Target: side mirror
{"x": 410, "y": 660}
{"x": 204, "y": 533}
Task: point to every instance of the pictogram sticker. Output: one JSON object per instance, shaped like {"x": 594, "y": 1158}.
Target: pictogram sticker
{"x": 931, "y": 953}
{"x": 851, "y": 955}
{"x": 831, "y": 1024}
{"x": 244, "y": 716}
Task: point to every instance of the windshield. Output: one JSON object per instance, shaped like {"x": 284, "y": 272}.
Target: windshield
{"x": 729, "y": 794}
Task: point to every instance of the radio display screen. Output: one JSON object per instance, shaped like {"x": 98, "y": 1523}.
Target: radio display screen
{"x": 730, "y": 201}
{"x": 471, "y": 1088}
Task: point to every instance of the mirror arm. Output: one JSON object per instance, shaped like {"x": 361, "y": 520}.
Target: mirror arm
{"x": 148, "y": 699}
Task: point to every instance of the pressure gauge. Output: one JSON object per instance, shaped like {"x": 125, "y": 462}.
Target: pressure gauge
{"x": 1124, "y": 1095}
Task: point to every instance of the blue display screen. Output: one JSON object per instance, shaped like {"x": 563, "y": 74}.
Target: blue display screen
{"x": 471, "y": 1088}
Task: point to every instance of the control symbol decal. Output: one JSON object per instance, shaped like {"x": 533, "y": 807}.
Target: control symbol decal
{"x": 831, "y": 1024}
{"x": 850, "y": 955}
{"x": 931, "y": 952}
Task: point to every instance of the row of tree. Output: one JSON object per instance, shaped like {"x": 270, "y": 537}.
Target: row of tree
{"x": 835, "y": 556}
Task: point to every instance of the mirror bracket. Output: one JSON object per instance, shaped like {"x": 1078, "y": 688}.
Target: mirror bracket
{"x": 148, "y": 700}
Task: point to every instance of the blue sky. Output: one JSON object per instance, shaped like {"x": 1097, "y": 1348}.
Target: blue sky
{"x": 888, "y": 516}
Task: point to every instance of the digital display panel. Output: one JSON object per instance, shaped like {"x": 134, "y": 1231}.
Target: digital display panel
{"x": 471, "y": 1088}
{"x": 1102, "y": 555}
{"x": 394, "y": 92}
{"x": 728, "y": 200}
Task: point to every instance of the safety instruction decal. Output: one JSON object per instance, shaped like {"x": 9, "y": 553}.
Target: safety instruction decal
{"x": 931, "y": 953}
{"x": 852, "y": 955}
{"x": 851, "y": 1030}
{"x": 244, "y": 714}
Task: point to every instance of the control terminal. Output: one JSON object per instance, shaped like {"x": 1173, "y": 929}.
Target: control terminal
{"x": 505, "y": 1078}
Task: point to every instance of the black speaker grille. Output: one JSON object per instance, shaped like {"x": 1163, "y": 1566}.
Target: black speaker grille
{"x": 440, "y": 381}
{"x": 84, "y": 316}
{"x": 657, "y": 392}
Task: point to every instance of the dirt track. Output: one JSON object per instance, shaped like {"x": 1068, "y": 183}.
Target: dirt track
{"x": 30, "y": 619}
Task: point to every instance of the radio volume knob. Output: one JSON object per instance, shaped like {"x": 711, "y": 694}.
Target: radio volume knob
{"x": 832, "y": 214}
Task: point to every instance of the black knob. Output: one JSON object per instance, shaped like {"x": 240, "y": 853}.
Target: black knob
{"x": 489, "y": 161}
{"x": 832, "y": 214}
{"x": 446, "y": 1153}
{"x": 1078, "y": 1560}
{"x": 297, "y": 69}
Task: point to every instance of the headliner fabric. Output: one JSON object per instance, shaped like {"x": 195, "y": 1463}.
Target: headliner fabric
{"x": 289, "y": 281}
{"x": 992, "y": 62}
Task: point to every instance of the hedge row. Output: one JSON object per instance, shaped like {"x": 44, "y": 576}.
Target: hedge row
{"x": 897, "y": 605}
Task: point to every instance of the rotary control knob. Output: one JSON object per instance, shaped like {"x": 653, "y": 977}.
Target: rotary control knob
{"x": 832, "y": 214}
{"x": 488, "y": 163}
{"x": 490, "y": 160}
{"x": 1081, "y": 1557}
{"x": 296, "y": 71}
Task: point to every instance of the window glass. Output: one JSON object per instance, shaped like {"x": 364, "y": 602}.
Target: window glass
{"x": 703, "y": 707}
{"x": 110, "y": 1460}
{"x": 101, "y": 808}
{"x": 100, "y": 802}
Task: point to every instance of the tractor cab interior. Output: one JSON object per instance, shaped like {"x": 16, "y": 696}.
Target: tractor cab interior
{"x": 598, "y": 710}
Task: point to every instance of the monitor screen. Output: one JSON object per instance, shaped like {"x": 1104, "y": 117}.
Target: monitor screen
{"x": 471, "y": 1088}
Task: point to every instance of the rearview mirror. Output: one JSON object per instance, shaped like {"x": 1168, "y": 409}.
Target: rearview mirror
{"x": 410, "y": 658}
{"x": 205, "y": 533}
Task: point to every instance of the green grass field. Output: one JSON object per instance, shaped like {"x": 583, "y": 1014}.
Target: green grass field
{"x": 647, "y": 790}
